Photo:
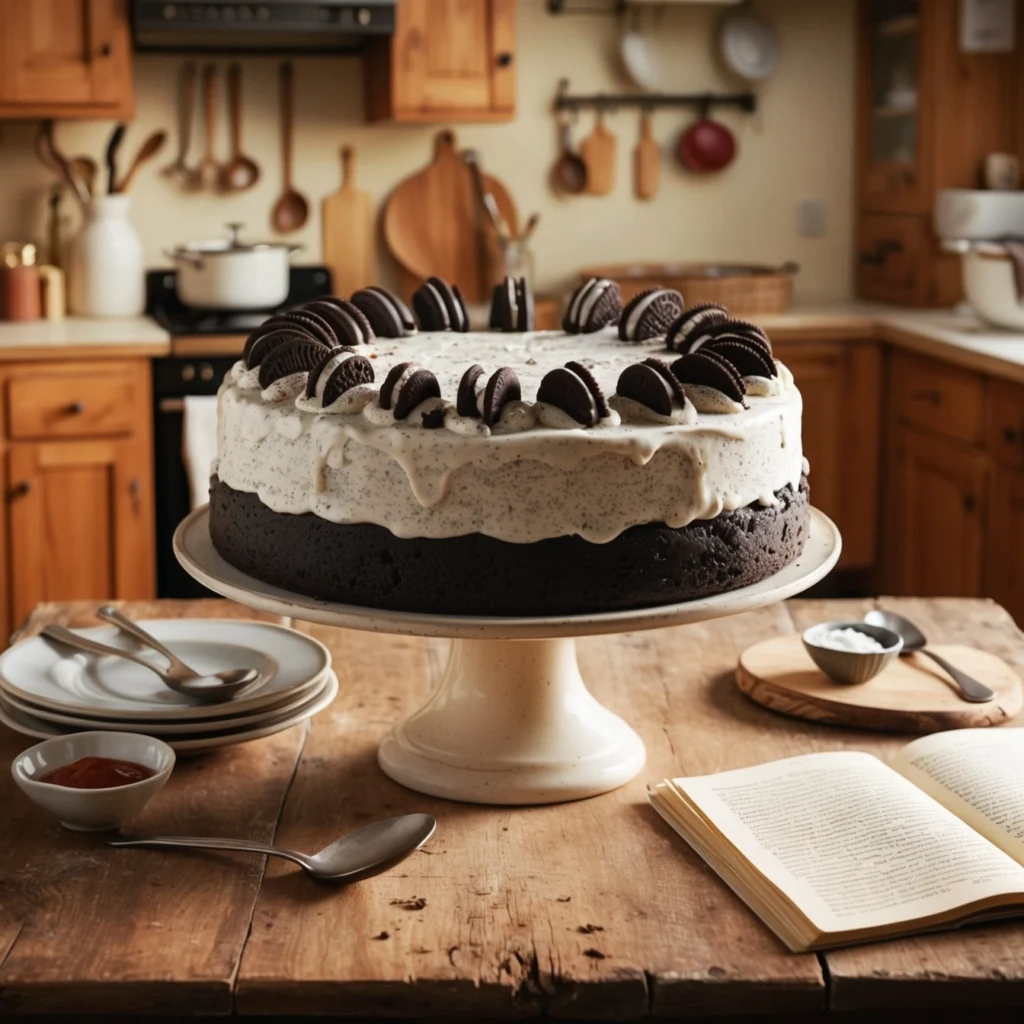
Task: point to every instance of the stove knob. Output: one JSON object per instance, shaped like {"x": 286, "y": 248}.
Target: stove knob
{"x": 188, "y": 373}
{"x": 205, "y": 372}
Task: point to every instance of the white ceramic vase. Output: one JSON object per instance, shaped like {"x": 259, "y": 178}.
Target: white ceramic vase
{"x": 107, "y": 269}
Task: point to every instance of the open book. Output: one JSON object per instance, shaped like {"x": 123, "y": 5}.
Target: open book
{"x": 837, "y": 848}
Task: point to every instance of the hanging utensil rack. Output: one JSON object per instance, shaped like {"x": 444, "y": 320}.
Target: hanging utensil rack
{"x": 705, "y": 101}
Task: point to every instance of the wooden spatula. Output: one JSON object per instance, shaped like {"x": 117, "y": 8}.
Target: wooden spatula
{"x": 646, "y": 161}
{"x": 349, "y": 245}
{"x": 598, "y": 153}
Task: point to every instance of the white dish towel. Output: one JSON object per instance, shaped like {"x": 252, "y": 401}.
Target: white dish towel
{"x": 199, "y": 444}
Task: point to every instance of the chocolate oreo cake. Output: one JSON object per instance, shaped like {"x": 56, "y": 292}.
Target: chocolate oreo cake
{"x": 509, "y": 472}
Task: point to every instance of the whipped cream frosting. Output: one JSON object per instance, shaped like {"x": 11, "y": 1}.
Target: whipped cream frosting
{"x": 535, "y": 474}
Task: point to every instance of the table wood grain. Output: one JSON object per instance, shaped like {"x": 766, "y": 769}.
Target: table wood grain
{"x": 592, "y": 910}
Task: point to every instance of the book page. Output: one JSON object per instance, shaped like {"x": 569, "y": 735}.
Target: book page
{"x": 852, "y": 843}
{"x": 979, "y": 775}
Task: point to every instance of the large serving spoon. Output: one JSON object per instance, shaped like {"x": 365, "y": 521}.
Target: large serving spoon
{"x": 186, "y": 103}
{"x": 241, "y": 171}
{"x": 214, "y": 688}
{"x": 914, "y": 640}
{"x": 291, "y": 211}
{"x": 207, "y": 172}
{"x": 149, "y": 149}
{"x": 367, "y": 851}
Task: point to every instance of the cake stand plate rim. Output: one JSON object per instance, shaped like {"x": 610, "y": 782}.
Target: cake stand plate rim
{"x": 193, "y": 547}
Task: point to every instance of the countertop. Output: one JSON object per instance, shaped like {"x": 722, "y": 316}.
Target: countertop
{"x": 591, "y": 910}
{"x": 83, "y": 338}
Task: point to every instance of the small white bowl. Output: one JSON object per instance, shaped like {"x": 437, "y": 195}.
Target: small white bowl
{"x": 851, "y": 666}
{"x": 93, "y": 810}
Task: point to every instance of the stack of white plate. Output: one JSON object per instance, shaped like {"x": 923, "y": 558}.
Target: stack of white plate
{"x": 46, "y": 691}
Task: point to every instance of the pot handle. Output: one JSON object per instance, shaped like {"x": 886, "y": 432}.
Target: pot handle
{"x": 192, "y": 258}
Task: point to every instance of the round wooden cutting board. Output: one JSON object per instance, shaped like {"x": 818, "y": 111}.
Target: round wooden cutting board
{"x": 911, "y": 695}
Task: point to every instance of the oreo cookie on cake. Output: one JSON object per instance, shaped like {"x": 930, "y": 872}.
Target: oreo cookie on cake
{"x": 650, "y": 314}
{"x": 595, "y": 304}
{"x": 691, "y": 324}
{"x": 572, "y": 390}
{"x": 711, "y": 382}
{"x": 388, "y": 315}
{"x": 512, "y": 306}
{"x": 439, "y": 306}
{"x": 650, "y": 392}
{"x": 405, "y": 387}
{"x": 349, "y": 324}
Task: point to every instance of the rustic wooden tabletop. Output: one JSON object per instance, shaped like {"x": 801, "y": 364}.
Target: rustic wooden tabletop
{"x": 586, "y": 910}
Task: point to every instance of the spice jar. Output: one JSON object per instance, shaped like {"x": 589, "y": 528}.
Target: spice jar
{"x": 21, "y": 284}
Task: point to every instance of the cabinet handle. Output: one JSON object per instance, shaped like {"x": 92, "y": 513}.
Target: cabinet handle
{"x": 19, "y": 490}
{"x": 76, "y": 408}
{"x": 970, "y": 503}
{"x": 1010, "y": 435}
{"x": 504, "y": 59}
{"x": 909, "y": 177}
{"x": 885, "y": 248}
{"x": 106, "y": 50}
{"x": 935, "y": 397}
{"x": 135, "y": 490}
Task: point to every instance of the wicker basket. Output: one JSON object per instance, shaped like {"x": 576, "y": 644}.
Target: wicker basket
{"x": 745, "y": 289}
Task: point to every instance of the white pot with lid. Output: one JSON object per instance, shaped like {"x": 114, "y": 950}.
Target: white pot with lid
{"x": 991, "y": 281}
{"x": 225, "y": 273}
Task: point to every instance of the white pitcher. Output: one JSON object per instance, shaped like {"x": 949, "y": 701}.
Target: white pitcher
{"x": 107, "y": 271}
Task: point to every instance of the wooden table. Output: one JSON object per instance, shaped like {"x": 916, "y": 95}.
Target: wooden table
{"x": 592, "y": 910}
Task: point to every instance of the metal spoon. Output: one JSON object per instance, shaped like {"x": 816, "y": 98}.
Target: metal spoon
{"x": 291, "y": 211}
{"x": 179, "y": 677}
{"x": 360, "y": 854}
{"x": 914, "y": 640}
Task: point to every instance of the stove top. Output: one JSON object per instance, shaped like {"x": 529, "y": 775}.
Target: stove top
{"x": 163, "y": 304}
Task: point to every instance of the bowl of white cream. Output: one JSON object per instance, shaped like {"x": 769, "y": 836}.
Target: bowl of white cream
{"x": 851, "y": 652}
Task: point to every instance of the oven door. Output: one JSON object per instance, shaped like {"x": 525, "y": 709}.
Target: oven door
{"x": 173, "y": 379}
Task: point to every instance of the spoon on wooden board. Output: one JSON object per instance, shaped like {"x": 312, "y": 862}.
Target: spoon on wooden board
{"x": 367, "y": 851}
{"x": 291, "y": 211}
{"x": 207, "y": 171}
{"x": 186, "y": 105}
{"x": 149, "y": 149}
{"x": 914, "y": 640}
{"x": 241, "y": 171}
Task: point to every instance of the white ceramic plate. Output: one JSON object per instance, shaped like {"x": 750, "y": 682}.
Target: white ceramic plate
{"x": 29, "y": 725}
{"x": 156, "y": 728}
{"x": 749, "y": 45}
{"x": 34, "y": 672}
{"x": 195, "y": 551}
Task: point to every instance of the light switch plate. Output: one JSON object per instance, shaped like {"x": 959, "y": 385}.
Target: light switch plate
{"x": 812, "y": 218}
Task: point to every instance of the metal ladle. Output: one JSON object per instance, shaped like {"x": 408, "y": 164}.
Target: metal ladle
{"x": 914, "y": 640}
{"x": 360, "y": 854}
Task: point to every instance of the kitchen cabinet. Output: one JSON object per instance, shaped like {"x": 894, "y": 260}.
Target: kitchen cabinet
{"x": 840, "y": 382}
{"x": 1004, "y": 563}
{"x": 449, "y": 60}
{"x": 79, "y": 488}
{"x": 65, "y": 58}
{"x": 927, "y": 115}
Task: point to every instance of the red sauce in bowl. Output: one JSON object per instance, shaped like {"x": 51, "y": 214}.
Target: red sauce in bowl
{"x": 97, "y": 773}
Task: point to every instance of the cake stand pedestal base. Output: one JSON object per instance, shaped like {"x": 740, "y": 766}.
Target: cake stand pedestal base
{"x": 512, "y": 722}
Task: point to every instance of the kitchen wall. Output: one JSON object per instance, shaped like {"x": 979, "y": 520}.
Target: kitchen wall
{"x": 799, "y": 145}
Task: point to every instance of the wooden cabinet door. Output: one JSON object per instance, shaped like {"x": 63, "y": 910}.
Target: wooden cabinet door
{"x": 938, "y": 497}
{"x": 449, "y": 58}
{"x": 65, "y": 58}
{"x": 840, "y": 382}
{"x": 80, "y": 522}
{"x": 1004, "y": 554}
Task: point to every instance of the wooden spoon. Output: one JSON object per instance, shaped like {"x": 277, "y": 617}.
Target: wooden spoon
{"x": 241, "y": 171}
{"x": 85, "y": 169}
{"x": 149, "y": 149}
{"x": 208, "y": 170}
{"x": 186, "y": 103}
{"x": 291, "y": 211}
{"x": 569, "y": 173}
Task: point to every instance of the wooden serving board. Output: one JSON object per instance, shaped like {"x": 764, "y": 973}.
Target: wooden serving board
{"x": 912, "y": 694}
{"x": 349, "y": 245}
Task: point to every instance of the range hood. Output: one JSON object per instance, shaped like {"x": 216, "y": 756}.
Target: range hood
{"x": 270, "y": 26}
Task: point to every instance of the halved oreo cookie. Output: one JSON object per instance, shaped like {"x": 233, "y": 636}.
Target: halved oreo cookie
{"x": 439, "y": 306}
{"x": 650, "y": 314}
{"x": 465, "y": 402}
{"x": 349, "y": 324}
{"x": 711, "y": 371}
{"x": 748, "y": 359}
{"x": 316, "y": 371}
{"x": 692, "y": 322}
{"x": 418, "y": 387}
{"x": 592, "y": 386}
{"x": 388, "y": 315}
{"x": 309, "y": 321}
{"x": 670, "y": 378}
{"x": 298, "y": 356}
{"x": 502, "y": 388}
{"x": 349, "y": 373}
{"x": 262, "y": 342}
{"x": 566, "y": 391}
{"x": 740, "y": 328}
{"x": 642, "y": 383}
{"x": 403, "y": 371}
{"x": 512, "y": 306}
{"x": 595, "y": 304}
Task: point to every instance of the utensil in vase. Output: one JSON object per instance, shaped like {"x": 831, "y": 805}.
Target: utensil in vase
{"x": 914, "y": 640}
{"x": 367, "y": 851}
{"x": 291, "y": 211}
{"x": 85, "y": 169}
{"x": 229, "y": 684}
{"x": 110, "y": 157}
{"x": 207, "y": 172}
{"x": 569, "y": 173}
{"x": 241, "y": 171}
{"x": 48, "y": 152}
{"x": 186, "y": 107}
{"x": 149, "y": 149}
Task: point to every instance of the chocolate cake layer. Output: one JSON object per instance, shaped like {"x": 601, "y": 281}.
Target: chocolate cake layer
{"x": 365, "y": 564}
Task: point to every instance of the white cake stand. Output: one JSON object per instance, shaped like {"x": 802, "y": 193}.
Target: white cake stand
{"x": 512, "y": 721}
